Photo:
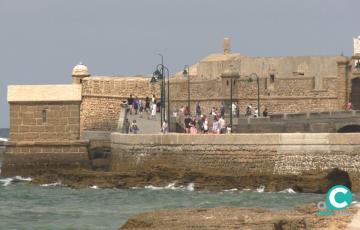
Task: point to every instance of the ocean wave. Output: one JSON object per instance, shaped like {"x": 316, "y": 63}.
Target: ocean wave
{"x": 231, "y": 190}
{"x": 51, "y": 184}
{"x": 288, "y": 190}
{"x": 172, "y": 186}
{"x": 94, "y": 187}
{"x": 15, "y": 179}
{"x": 261, "y": 188}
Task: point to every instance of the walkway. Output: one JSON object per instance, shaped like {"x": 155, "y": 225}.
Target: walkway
{"x": 146, "y": 125}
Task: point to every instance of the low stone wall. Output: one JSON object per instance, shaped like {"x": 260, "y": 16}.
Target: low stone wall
{"x": 315, "y": 122}
{"x": 238, "y": 155}
{"x": 34, "y": 158}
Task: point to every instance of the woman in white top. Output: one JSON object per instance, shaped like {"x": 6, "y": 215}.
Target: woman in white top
{"x": 206, "y": 125}
{"x": 153, "y": 110}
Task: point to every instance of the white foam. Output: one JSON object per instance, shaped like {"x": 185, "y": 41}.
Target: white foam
{"x": 9, "y": 180}
{"x": 172, "y": 186}
{"x": 20, "y": 178}
{"x": 3, "y": 139}
{"x": 51, "y": 184}
{"x": 261, "y": 188}
{"x": 6, "y": 181}
{"x": 288, "y": 190}
{"x": 94, "y": 187}
{"x": 231, "y": 190}
{"x": 190, "y": 187}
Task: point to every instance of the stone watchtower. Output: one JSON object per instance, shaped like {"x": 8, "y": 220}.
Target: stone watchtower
{"x": 78, "y": 73}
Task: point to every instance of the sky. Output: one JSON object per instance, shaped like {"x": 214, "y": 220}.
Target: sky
{"x": 41, "y": 40}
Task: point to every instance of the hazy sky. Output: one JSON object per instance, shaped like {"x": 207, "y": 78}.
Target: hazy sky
{"x": 41, "y": 40}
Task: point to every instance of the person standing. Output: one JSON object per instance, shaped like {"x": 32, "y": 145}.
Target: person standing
{"x": 222, "y": 110}
{"x": 126, "y": 126}
{"x": 233, "y": 108}
{"x": 215, "y": 126}
{"x": 153, "y": 110}
{"x": 134, "y": 128}
{"x": 206, "y": 125}
{"x": 349, "y": 106}
{"x": 165, "y": 127}
{"x": 256, "y": 112}
{"x": 193, "y": 129}
{"x": 187, "y": 124}
{"x": 222, "y": 125}
{"x": 198, "y": 109}
{"x": 130, "y": 103}
{"x": 265, "y": 112}
{"x": 136, "y": 105}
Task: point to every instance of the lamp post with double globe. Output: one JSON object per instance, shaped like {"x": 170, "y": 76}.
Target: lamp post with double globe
{"x": 186, "y": 73}
{"x": 159, "y": 75}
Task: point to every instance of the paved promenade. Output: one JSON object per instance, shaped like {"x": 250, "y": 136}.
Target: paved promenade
{"x": 145, "y": 124}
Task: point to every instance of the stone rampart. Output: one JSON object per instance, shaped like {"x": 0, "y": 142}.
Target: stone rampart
{"x": 314, "y": 122}
{"x": 28, "y": 158}
{"x": 30, "y": 121}
{"x": 238, "y": 155}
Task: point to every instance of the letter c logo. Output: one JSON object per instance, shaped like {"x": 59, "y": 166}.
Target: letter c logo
{"x": 338, "y": 197}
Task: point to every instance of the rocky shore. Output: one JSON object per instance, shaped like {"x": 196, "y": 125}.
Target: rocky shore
{"x": 237, "y": 218}
{"x": 211, "y": 181}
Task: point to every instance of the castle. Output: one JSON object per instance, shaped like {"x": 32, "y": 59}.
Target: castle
{"x": 47, "y": 122}
{"x": 286, "y": 84}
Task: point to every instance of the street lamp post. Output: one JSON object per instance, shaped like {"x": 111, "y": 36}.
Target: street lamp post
{"x": 258, "y": 90}
{"x": 186, "y": 72}
{"x": 231, "y": 76}
{"x": 160, "y": 74}
{"x": 231, "y": 102}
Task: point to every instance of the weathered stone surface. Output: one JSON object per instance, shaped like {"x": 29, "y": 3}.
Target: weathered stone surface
{"x": 240, "y": 157}
{"x": 36, "y": 158}
{"x": 50, "y": 121}
{"x": 158, "y": 175}
{"x": 237, "y": 218}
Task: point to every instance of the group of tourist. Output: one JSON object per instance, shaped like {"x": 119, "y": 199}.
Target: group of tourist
{"x": 138, "y": 106}
{"x": 201, "y": 125}
{"x": 130, "y": 128}
{"x": 198, "y": 123}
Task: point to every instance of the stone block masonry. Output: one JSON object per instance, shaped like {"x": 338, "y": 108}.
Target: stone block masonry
{"x": 102, "y": 98}
{"x": 239, "y": 155}
{"x": 44, "y": 121}
{"x": 29, "y": 158}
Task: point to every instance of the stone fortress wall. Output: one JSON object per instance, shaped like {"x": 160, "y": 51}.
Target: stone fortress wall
{"x": 286, "y": 84}
{"x": 102, "y": 98}
{"x": 44, "y": 130}
{"x": 238, "y": 155}
{"x": 300, "y": 87}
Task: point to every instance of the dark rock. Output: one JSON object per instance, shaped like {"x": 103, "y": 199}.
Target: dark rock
{"x": 237, "y": 218}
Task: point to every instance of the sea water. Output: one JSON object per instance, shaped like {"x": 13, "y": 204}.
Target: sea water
{"x": 54, "y": 206}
